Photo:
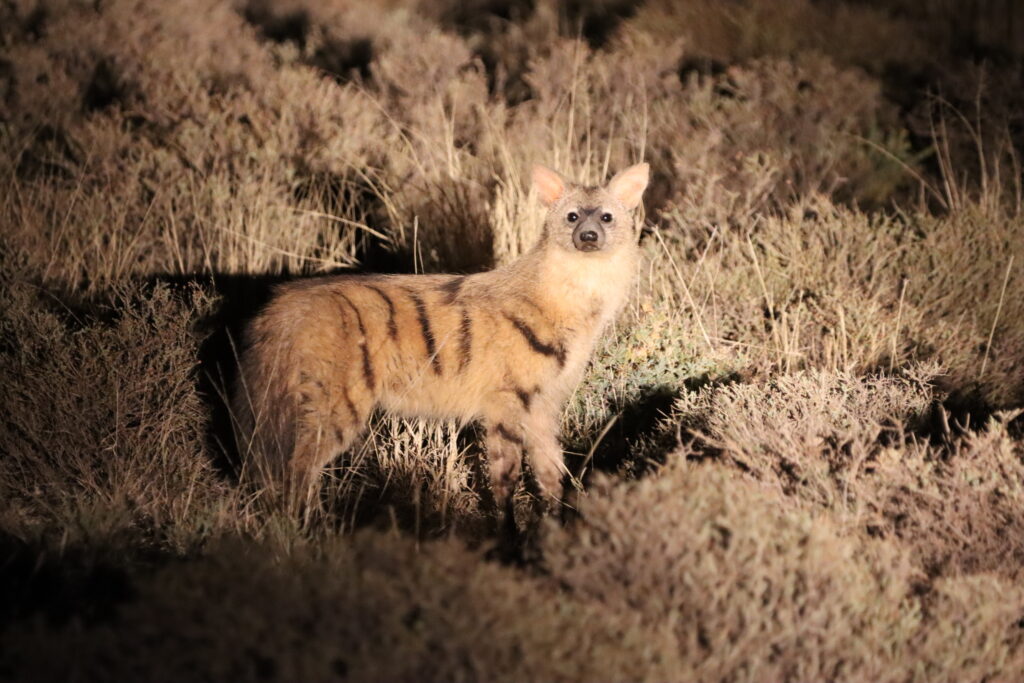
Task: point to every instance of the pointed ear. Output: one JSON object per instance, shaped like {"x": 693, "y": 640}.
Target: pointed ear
{"x": 549, "y": 184}
{"x": 629, "y": 184}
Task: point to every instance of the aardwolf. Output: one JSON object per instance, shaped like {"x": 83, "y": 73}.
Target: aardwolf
{"x": 505, "y": 347}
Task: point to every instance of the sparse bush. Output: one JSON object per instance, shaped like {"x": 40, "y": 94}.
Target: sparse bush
{"x": 812, "y": 434}
{"x": 375, "y": 607}
{"x": 104, "y": 431}
{"x": 749, "y": 587}
{"x": 881, "y": 454}
{"x": 835, "y": 288}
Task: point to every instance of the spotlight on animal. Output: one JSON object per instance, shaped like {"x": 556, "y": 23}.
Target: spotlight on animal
{"x": 504, "y": 347}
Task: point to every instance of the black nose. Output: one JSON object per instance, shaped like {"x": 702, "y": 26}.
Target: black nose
{"x": 588, "y": 236}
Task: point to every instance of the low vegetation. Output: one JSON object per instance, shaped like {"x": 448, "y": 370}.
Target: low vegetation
{"x": 798, "y": 455}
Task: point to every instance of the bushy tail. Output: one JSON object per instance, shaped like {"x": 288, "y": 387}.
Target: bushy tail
{"x": 265, "y": 415}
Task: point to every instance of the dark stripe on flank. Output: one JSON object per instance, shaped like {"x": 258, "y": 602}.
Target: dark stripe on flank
{"x": 451, "y": 289}
{"x": 392, "y": 326}
{"x": 531, "y": 303}
{"x": 368, "y": 374}
{"x": 465, "y": 340}
{"x": 428, "y": 333}
{"x": 553, "y": 350}
{"x": 507, "y": 434}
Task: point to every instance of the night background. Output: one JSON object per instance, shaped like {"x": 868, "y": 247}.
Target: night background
{"x": 798, "y": 455}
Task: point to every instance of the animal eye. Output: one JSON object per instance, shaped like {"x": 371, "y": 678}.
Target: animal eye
{"x": 573, "y": 217}
{"x": 606, "y": 217}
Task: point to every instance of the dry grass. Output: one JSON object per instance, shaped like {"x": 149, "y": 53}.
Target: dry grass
{"x": 799, "y": 450}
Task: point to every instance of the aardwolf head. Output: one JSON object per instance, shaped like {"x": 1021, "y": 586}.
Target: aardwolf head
{"x": 591, "y": 219}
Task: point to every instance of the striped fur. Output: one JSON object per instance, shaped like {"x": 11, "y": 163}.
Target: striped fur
{"x": 505, "y": 347}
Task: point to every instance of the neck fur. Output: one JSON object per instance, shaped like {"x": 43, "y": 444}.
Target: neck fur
{"x": 581, "y": 288}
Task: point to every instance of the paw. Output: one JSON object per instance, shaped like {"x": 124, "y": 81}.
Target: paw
{"x": 550, "y": 483}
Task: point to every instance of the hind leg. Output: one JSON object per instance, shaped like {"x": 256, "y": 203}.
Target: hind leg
{"x": 330, "y": 422}
{"x": 317, "y": 445}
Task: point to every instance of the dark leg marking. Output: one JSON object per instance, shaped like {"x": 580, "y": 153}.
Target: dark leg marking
{"x": 524, "y": 396}
{"x": 351, "y": 407}
{"x": 305, "y": 394}
{"x": 392, "y": 325}
{"x": 339, "y": 435}
{"x": 368, "y": 373}
{"x": 451, "y": 289}
{"x": 428, "y": 333}
{"x": 507, "y": 434}
{"x": 555, "y": 351}
{"x": 465, "y": 340}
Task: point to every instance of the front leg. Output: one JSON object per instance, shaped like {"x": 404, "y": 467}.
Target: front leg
{"x": 547, "y": 460}
{"x": 505, "y": 450}
{"x": 505, "y": 446}
{"x": 515, "y": 432}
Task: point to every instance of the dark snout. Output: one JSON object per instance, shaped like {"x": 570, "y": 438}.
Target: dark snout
{"x": 588, "y": 236}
